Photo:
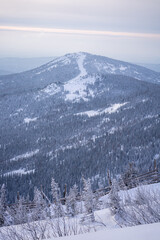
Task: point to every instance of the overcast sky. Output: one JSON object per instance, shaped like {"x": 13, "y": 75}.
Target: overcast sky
{"x": 122, "y": 29}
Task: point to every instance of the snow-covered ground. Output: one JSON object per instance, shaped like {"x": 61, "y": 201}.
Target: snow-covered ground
{"x": 28, "y": 120}
{"x": 109, "y": 230}
{"x": 150, "y": 188}
{"x": 25, "y": 155}
{"x": 142, "y": 232}
{"x": 48, "y": 91}
{"x": 112, "y": 109}
{"x": 21, "y": 171}
{"x": 76, "y": 88}
{"x": 51, "y": 89}
{"x": 104, "y": 227}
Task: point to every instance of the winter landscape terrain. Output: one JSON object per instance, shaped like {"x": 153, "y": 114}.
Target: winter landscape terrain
{"x": 81, "y": 112}
{"x": 133, "y": 213}
{"x": 69, "y": 128}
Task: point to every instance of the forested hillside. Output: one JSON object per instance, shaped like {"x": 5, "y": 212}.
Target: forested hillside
{"x": 80, "y": 114}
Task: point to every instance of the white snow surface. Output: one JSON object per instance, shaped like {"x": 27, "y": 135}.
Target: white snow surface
{"x": 51, "y": 89}
{"x": 76, "y": 88}
{"x": 90, "y": 113}
{"x": 122, "y": 68}
{"x": 112, "y": 130}
{"x": 48, "y": 91}
{"x": 28, "y": 120}
{"x": 25, "y": 155}
{"x": 21, "y": 171}
{"x": 110, "y": 68}
{"x": 123, "y": 194}
{"x": 80, "y": 61}
{"x": 141, "y": 232}
{"x": 112, "y": 109}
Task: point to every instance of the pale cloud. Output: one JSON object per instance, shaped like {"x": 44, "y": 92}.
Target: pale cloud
{"x": 115, "y": 15}
{"x": 38, "y": 44}
{"x": 79, "y": 31}
{"x": 124, "y": 29}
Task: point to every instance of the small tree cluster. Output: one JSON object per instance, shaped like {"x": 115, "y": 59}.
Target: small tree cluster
{"x": 139, "y": 208}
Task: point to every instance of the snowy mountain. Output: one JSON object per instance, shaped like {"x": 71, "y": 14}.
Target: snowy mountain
{"x": 78, "y": 114}
{"x": 63, "y": 70}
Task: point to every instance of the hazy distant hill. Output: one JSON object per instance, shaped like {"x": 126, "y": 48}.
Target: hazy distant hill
{"x": 4, "y": 72}
{"x": 154, "y": 67}
{"x": 16, "y": 65}
{"x": 79, "y": 114}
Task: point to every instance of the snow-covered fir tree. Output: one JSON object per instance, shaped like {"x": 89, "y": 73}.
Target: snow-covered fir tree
{"x": 71, "y": 201}
{"x": 55, "y": 191}
{"x": 39, "y": 211}
{"x": 19, "y": 213}
{"x": 3, "y": 198}
{"x": 114, "y": 198}
{"x": 2, "y": 204}
{"x": 88, "y": 199}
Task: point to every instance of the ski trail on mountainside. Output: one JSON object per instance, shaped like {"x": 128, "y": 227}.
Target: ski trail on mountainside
{"x": 76, "y": 87}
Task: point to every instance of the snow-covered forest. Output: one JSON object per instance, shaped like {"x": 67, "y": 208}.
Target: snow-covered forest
{"x": 126, "y": 203}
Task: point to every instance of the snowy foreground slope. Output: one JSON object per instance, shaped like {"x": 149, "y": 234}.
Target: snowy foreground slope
{"x": 97, "y": 231}
{"x": 140, "y": 232}
{"x": 143, "y": 232}
{"x": 105, "y": 225}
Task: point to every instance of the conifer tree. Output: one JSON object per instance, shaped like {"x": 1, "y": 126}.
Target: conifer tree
{"x": 71, "y": 201}
{"x": 58, "y": 209}
{"x": 2, "y": 204}
{"x": 115, "y": 205}
{"x": 88, "y": 199}
{"x": 40, "y": 205}
{"x": 20, "y": 212}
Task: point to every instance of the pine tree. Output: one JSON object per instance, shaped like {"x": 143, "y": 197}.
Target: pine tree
{"x": 3, "y": 198}
{"x": 40, "y": 205}
{"x": 71, "y": 201}
{"x": 2, "y": 204}
{"x": 88, "y": 199}
{"x": 17, "y": 214}
{"x": 58, "y": 209}
{"x": 20, "y": 212}
{"x": 115, "y": 205}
